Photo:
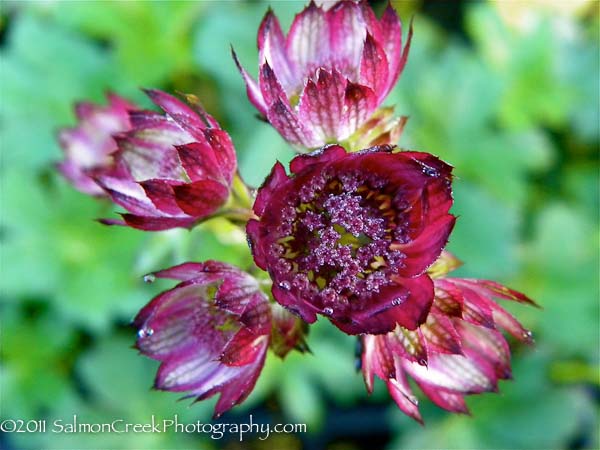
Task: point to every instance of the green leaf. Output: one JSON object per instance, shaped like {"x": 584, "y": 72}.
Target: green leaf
{"x": 563, "y": 264}
{"x": 36, "y": 363}
{"x": 59, "y": 252}
{"x": 44, "y": 70}
{"x": 299, "y": 395}
{"x": 485, "y": 235}
{"x": 527, "y": 63}
{"x": 151, "y": 40}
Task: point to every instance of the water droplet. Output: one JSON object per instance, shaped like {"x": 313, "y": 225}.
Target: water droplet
{"x": 414, "y": 400}
{"x": 528, "y": 336}
{"x": 285, "y": 285}
{"x": 149, "y": 278}
{"x": 145, "y": 332}
{"x": 397, "y": 301}
{"x": 422, "y": 362}
{"x": 328, "y": 311}
{"x": 430, "y": 171}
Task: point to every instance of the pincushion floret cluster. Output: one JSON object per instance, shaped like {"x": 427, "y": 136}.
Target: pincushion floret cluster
{"x": 356, "y": 231}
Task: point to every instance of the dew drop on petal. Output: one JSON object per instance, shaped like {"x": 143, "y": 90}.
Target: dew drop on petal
{"x": 414, "y": 400}
{"x": 285, "y": 285}
{"x": 149, "y": 278}
{"x": 430, "y": 171}
{"x": 328, "y": 311}
{"x": 145, "y": 332}
{"x": 397, "y": 301}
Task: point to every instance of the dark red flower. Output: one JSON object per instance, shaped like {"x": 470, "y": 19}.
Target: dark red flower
{"x": 323, "y": 81}
{"x": 350, "y": 235}
{"x": 211, "y": 332}
{"x": 458, "y": 351}
{"x": 170, "y": 170}
{"x": 90, "y": 144}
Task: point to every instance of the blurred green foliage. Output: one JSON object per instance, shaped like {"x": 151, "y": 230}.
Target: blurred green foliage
{"x": 508, "y": 95}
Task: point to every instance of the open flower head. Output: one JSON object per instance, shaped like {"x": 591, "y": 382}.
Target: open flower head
{"x": 90, "y": 144}
{"x": 211, "y": 332}
{"x": 170, "y": 170}
{"x": 459, "y": 350}
{"x": 324, "y": 80}
{"x": 350, "y": 235}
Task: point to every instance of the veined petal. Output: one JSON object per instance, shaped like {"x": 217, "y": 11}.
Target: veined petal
{"x": 487, "y": 347}
{"x": 424, "y": 250}
{"x": 288, "y": 333}
{"x": 453, "y": 402}
{"x": 240, "y": 387}
{"x": 458, "y": 351}
{"x": 347, "y": 32}
{"x": 407, "y": 344}
{"x": 452, "y": 372}
{"x": 224, "y": 152}
{"x": 182, "y": 272}
{"x": 307, "y": 43}
{"x": 148, "y": 156}
{"x": 269, "y": 187}
{"x": 322, "y": 102}
{"x": 183, "y": 114}
{"x": 286, "y": 122}
{"x": 329, "y": 153}
{"x": 302, "y": 309}
{"x": 153, "y": 223}
{"x": 359, "y": 103}
{"x": 200, "y": 198}
{"x": 374, "y": 69}
{"x": 406, "y": 304}
{"x": 127, "y": 193}
{"x": 406, "y": 401}
{"x": 270, "y": 87}
{"x": 440, "y": 334}
{"x": 243, "y": 348}
{"x": 272, "y": 50}
{"x": 199, "y": 161}
{"x": 392, "y": 44}
{"x": 160, "y": 192}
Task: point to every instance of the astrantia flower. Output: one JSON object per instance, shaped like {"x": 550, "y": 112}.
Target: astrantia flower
{"x": 211, "y": 332}
{"x": 170, "y": 170}
{"x": 458, "y": 351}
{"x": 89, "y": 145}
{"x": 350, "y": 235}
{"x": 324, "y": 80}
